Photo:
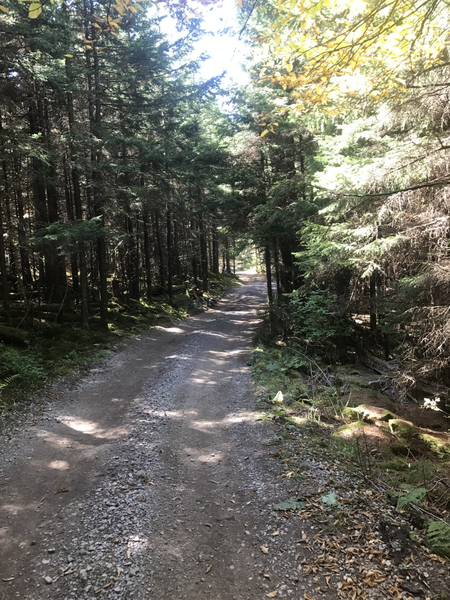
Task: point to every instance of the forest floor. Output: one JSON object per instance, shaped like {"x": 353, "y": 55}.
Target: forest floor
{"x": 155, "y": 477}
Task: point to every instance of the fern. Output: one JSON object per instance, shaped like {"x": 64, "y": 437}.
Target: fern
{"x": 8, "y": 380}
{"x": 414, "y": 495}
{"x": 438, "y": 537}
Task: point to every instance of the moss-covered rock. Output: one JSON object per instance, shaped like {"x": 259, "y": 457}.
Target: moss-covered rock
{"x": 349, "y": 430}
{"x": 369, "y": 413}
{"x": 439, "y": 445}
{"x": 351, "y": 414}
{"x": 403, "y": 429}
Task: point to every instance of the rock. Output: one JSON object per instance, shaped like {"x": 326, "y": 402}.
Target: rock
{"x": 366, "y": 412}
{"x": 48, "y": 579}
{"x": 438, "y": 443}
{"x": 402, "y": 428}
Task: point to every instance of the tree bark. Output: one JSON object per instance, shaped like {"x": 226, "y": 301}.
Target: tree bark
{"x": 169, "y": 256}
{"x": 203, "y": 254}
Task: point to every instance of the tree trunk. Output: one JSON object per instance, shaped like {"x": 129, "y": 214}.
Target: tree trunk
{"x": 27, "y": 277}
{"x": 227, "y": 255}
{"x": 203, "y": 255}
{"x": 99, "y": 209}
{"x": 267, "y": 260}
{"x": 215, "y": 251}
{"x": 84, "y": 290}
{"x": 169, "y": 256}
{"x": 160, "y": 251}
{"x": 373, "y": 301}
{"x": 147, "y": 254}
{"x": 3, "y": 270}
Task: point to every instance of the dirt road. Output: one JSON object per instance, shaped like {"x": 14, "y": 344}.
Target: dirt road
{"x": 151, "y": 479}
{"x": 154, "y": 479}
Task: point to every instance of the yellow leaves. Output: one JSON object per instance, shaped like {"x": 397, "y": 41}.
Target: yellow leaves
{"x": 34, "y": 10}
{"x": 272, "y": 594}
{"x": 4, "y": 9}
{"x": 264, "y": 549}
{"x": 316, "y": 8}
{"x": 208, "y": 569}
{"x": 339, "y": 45}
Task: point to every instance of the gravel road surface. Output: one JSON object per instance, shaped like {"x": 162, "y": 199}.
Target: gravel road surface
{"x": 151, "y": 479}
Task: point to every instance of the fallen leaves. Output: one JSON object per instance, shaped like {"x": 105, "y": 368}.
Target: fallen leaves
{"x": 61, "y": 491}
{"x": 272, "y": 594}
{"x": 208, "y": 569}
{"x": 290, "y": 504}
{"x": 373, "y": 578}
{"x": 264, "y": 549}
{"x": 330, "y": 499}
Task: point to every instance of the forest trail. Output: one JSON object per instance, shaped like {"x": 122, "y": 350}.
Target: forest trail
{"x": 152, "y": 479}
{"x": 155, "y": 479}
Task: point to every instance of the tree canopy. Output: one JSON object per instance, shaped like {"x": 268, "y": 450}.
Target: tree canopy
{"x": 332, "y": 55}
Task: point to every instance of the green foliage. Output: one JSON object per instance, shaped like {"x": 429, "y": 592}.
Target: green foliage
{"x": 415, "y": 495}
{"x": 330, "y": 499}
{"x": 314, "y": 316}
{"x": 20, "y": 369}
{"x": 438, "y": 537}
{"x": 291, "y": 504}
{"x": 68, "y": 238}
{"x": 278, "y": 370}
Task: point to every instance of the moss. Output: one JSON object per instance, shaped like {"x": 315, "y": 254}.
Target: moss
{"x": 398, "y": 464}
{"x": 399, "y": 449}
{"x": 436, "y": 444}
{"x": 366, "y": 412}
{"x": 351, "y": 413}
{"x": 403, "y": 429}
{"x": 375, "y": 413}
{"x": 408, "y": 471}
{"x": 348, "y": 430}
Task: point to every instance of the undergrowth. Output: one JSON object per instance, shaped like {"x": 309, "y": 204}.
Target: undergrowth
{"x": 57, "y": 349}
{"x": 309, "y": 400}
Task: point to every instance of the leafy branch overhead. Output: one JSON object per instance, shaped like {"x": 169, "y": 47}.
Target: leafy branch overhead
{"x": 332, "y": 54}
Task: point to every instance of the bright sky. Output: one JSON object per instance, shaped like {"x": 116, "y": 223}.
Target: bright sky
{"x": 225, "y": 50}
